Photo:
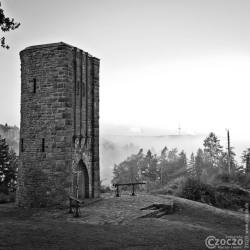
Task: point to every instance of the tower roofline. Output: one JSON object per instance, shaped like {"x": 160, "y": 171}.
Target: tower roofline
{"x": 49, "y": 45}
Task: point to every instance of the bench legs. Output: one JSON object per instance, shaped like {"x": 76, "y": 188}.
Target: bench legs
{"x": 74, "y": 208}
{"x": 76, "y": 212}
{"x": 70, "y": 206}
{"x": 133, "y": 190}
{"x": 117, "y": 191}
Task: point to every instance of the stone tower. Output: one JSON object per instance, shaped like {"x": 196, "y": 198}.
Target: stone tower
{"x": 59, "y": 132}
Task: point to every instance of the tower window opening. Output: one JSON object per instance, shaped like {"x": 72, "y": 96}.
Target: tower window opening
{"x": 34, "y": 85}
{"x": 78, "y": 87}
{"x": 83, "y": 89}
{"x": 43, "y": 145}
{"x": 22, "y": 147}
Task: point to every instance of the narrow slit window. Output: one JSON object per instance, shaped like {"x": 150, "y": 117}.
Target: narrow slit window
{"x": 22, "y": 147}
{"x": 34, "y": 85}
{"x": 78, "y": 87}
{"x": 43, "y": 145}
{"x": 83, "y": 89}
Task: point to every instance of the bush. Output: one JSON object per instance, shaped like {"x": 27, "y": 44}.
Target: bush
{"x": 6, "y": 198}
{"x": 173, "y": 187}
{"x": 4, "y": 189}
{"x": 243, "y": 180}
{"x": 194, "y": 189}
{"x": 151, "y": 185}
{"x": 224, "y": 195}
{"x": 105, "y": 189}
{"x": 231, "y": 196}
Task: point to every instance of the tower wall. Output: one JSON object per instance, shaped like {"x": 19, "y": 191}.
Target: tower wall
{"x": 59, "y": 123}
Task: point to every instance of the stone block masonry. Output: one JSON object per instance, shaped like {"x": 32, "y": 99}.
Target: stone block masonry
{"x": 59, "y": 132}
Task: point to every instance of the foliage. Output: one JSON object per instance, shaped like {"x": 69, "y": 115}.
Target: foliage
{"x": 148, "y": 167}
{"x": 5, "y": 198}
{"x": 223, "y": 195}
{"x": 8, "y": 168}
{"x": 204, "y": 178}
{"x": 172, "y": 188}
{"x": 6, "y": 24}
{"x": 11, "y": 135}
{"x": 128, "y": 170}
{"x": 194, "y": 189}
{"x": 212, "y": 149}
{"x": 246, "y": 159}
{"x": 104, "y": 188}
{"x": 212, "y": 160}
{"x": 245, "y": 154}
{"x": 199, "y": 163}
{"x": 151, "y": 168}
{"x": 231, "y": 196}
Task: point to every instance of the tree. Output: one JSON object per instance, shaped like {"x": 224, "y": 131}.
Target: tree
{"x": 149, "y": 167}
{"x": 11, "y": 174}
{"x": 172, "y": 155}
{"x": 8, "y": 167}
{"x": 4, "y": 162}
{"x": 212, "y": 149}
{"x": 199, "y": 163}
{"x": 175, "y": 165}
{"x": 191, "y": 165}
{"x": 162, "y": 163}
{"x": 246, "y": 159}
{"x": 182, "y": 160}
{"x": 245, "y": 154}
{"x": 223, "y": 163}
{"x": 128, "y": 170}
{"x": 6, "y": 25}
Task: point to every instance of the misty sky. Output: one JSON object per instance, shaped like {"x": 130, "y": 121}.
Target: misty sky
{"x": 162, "y": 62}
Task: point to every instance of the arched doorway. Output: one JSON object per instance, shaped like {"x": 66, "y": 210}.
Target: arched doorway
{"x": 82, "y": 182}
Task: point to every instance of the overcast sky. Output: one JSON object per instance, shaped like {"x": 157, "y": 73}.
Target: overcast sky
{"x": 162, "y": 61}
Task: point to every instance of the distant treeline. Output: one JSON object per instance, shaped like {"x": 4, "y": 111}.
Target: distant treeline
{"x": 206, "y": 164}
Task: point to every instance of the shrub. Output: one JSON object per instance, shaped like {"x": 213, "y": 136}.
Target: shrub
{"x": 6, "y": 198}
{"x": 105, "y": 189}
{"x": 3, "y": 198}
{"x": 231, "y": 196}
{"x": 243, "y": 180}
{"x": 4, "y": 189}
{"x": 224, "y": 195}
{"x": 194, "y": 189}
{"x": 151, "y": 185}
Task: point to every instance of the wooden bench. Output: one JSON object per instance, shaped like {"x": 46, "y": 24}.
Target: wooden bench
{"x": 74, "y": 206}
{"x": 133, "y": 184}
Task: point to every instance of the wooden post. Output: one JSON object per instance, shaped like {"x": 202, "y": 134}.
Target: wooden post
{"x": 133, "y": 190}
{"x": 117, "y": 191}
{"x": 229, "y": 152}
{"x": 70, "y": 206}
{"x": 77, "y": 209}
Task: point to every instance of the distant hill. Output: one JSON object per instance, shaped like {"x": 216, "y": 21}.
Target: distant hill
{"x": 11, "y": 133}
